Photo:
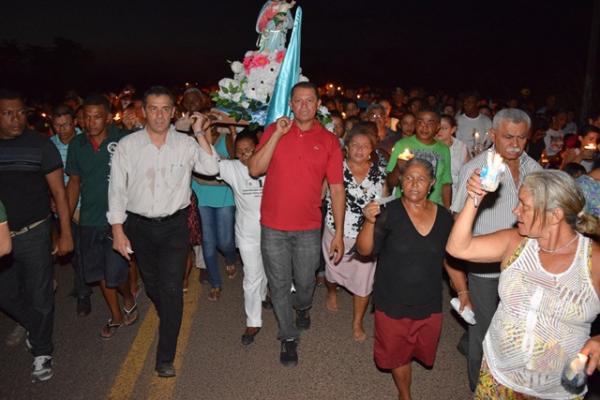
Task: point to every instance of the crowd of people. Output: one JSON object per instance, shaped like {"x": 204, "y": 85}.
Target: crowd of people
{"x": 385, "y": 201}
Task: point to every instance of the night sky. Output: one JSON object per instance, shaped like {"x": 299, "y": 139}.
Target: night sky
{"x": 491, "y": 46}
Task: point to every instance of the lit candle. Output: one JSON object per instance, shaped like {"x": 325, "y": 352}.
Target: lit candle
{"x": 406, "y": 155}
{"x": 476, "y": 136}
{"x": 117, "y": 117}
{"x": 44, "y": 115}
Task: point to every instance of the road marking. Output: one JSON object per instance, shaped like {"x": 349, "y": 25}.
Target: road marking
{"x": 131, "y": 368}
{"x": 135, "y": 361}
{"x": 161, "y": 388}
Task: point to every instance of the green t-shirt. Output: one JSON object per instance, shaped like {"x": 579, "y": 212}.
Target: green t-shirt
{"x": 2, "y": 213}
{"x": 438, "y": 154}
{"x": 93, "y": 168}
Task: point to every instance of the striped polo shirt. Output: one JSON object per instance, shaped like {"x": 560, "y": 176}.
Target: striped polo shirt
{"x": 496, "y": 209}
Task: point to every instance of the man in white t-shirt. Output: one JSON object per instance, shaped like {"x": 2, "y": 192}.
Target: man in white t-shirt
{"x": 472, "y": 124}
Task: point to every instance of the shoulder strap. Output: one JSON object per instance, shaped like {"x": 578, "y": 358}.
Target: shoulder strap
{"x": 507, "y": 262}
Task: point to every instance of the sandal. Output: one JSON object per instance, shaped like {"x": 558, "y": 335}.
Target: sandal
{"x": 109, "y": 330}
{"x": 231, "y": 271}
{"x": 130, "y": 316}
{"x": 214, "y": 294}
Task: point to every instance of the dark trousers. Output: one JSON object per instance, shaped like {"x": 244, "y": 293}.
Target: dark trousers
{"x": 484, "y": 297}
{"x": 26, "y": 291}
{"x": 80, "y": 288}
{"x": 161, "y": 249}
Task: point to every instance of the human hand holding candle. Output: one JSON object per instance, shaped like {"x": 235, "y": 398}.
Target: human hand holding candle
{"x": 406, "y": 155}
{"x": 574, "y": 376}
{"x": 588, "y": 151}
{"x": 492, "y": 171}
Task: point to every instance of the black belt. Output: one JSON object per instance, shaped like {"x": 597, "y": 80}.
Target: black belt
{"x": 159, "y": 219}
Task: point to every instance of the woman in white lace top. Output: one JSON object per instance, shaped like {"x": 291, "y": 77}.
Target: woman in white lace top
{"x": 548, "y": 288}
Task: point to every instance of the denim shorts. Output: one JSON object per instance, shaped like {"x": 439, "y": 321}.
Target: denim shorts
{"x": 98, "y": 259}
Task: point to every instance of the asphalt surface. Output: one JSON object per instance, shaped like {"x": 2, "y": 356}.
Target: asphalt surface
{"x": 211, "y": 362}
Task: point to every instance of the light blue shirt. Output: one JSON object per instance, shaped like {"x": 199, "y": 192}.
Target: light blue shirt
{"x": 63, "y": 149}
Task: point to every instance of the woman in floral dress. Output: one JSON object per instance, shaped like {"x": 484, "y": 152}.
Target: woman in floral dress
{"x": 364, "y": 181}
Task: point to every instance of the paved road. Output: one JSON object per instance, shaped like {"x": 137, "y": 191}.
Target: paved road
{"x": 211, "y": 363}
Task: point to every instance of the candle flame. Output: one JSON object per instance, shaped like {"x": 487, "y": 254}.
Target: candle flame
{"x": 406, "y": 155}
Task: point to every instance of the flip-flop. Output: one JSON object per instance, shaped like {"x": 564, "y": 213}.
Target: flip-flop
{"x": 131, "y": 315}
{"x": 214, "y": 294}
{"x": 109, "y": 330}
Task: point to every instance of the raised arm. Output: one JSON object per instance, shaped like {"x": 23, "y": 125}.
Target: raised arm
{"x": 486, "y": 248}
{"x": 259, "y": 162}
{"x": 206, "y": 158}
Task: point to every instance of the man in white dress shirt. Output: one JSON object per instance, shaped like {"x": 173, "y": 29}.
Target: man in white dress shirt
{"x": 150, "y": 188}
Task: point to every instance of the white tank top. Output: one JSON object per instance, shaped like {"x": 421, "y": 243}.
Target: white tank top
{"x": 542, "y": 321}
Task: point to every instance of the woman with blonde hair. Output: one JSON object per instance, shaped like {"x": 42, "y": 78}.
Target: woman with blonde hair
{"x": 548, "y": 288}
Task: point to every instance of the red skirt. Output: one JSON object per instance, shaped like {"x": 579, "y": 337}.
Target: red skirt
{"x": 398, "y": 341}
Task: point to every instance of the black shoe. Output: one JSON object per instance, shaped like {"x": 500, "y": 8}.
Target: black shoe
{"x": 248, "y": 336}
{"x": 267, "y": 304}
{"x": 84, "y": 306}
{"x": 302, "y": 319}
{"x": 289, "y": 356}
{"x": 165, "y": 370}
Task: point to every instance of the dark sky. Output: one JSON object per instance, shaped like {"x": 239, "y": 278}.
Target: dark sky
{"x": 449, "y": 45}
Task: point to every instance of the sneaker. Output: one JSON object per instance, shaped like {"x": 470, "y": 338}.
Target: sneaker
{"x": 165, "y": 370}
{"x": 302, "y": 319}
{"x": 289, "y": 356}
{"x": 42, "y": 368}
{"x": 15, "y": 337}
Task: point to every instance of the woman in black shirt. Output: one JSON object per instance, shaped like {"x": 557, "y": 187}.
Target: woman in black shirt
{"x": 409, "y": 236}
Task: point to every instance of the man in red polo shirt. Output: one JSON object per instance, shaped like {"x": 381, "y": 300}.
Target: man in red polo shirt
{"x": 297, "y": 156}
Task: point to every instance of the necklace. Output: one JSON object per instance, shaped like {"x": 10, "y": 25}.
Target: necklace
{"x": 558, "y": 248}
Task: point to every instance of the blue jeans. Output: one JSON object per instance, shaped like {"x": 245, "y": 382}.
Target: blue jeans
{"x": 290, "y": 256}
{"x": 217, "y": 233}
{"x": 26, "y": 291}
